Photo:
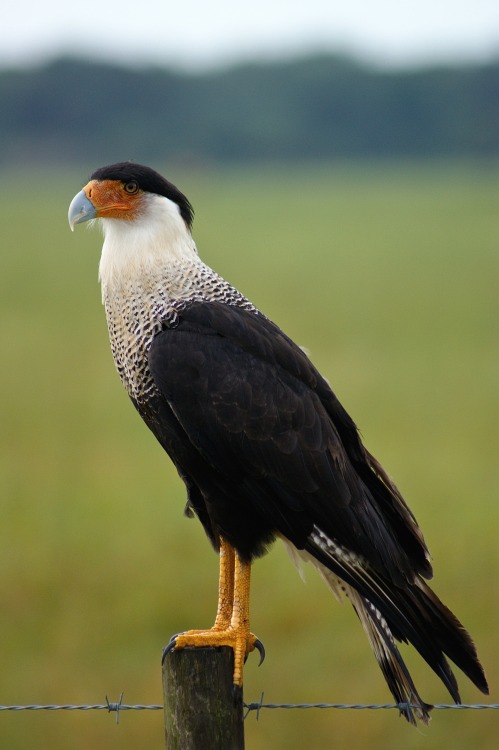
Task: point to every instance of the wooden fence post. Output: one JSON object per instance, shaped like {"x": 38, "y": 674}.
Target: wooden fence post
{"x": 201, "y": 710}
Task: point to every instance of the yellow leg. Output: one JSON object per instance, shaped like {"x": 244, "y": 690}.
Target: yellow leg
{"x": 231, "y": 626}
{"x": 239, "y": 624}
{"x": 225, "y": 586}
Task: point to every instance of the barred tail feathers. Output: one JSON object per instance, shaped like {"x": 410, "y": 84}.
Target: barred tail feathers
{"x": 385, "y": 650}
{"x": 388, "y": 613}
{"x": 381, "y": 639}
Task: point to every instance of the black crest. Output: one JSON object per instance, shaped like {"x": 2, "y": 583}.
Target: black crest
{"x": 149, "y": 181}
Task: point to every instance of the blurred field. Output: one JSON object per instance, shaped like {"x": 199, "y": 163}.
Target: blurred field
{"x": 389, "y": 276}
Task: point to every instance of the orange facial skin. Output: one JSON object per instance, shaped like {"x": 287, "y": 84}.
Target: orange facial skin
{"x": 114, "y": 199}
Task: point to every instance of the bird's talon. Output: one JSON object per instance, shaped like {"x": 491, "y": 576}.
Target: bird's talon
{"x": 170, "y": 647}
{"x": 261, "y": 650}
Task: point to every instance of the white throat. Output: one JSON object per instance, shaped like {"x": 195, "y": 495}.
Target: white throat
{"x": 145, "y": 246}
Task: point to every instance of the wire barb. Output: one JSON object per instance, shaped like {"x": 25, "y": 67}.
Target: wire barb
{"x": 115, "y": 707}
{"x": 253, "y": 707}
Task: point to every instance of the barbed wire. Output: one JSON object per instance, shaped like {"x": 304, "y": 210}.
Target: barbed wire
{"x": 257, "y": 706}
{"x": 359, "y": 706}
{"x": 108, "y": 706}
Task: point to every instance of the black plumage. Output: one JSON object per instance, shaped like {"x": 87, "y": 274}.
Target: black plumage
{"x": 257, "y": 413}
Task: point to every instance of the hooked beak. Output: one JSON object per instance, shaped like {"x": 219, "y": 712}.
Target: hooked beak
{"x": 80, "y": 209}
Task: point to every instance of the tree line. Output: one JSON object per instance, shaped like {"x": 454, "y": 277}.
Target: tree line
{"x": 320, "y": 107}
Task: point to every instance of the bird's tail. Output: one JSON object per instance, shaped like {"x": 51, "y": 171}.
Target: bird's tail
{"x": 394, "y": 670}
{"x": 390, "y": 613}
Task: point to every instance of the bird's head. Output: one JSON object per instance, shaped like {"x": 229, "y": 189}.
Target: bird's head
{"x": 127, "y": 192}
{"x": 146, "y": 220}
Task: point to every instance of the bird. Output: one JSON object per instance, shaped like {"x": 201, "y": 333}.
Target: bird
{"x": 263, "y": 445}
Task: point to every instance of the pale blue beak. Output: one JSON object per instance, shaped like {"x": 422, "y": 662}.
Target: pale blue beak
{"x": 80, "y": 209}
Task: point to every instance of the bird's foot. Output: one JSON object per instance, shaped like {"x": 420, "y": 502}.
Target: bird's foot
{"x": 239, "y": 639}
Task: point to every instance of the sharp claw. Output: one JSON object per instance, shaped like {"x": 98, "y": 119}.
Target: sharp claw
{"x": 261, "y": 650}
{"x": 168, "y": 648}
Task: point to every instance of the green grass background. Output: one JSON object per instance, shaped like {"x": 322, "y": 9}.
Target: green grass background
{"x": 389, "y": 276}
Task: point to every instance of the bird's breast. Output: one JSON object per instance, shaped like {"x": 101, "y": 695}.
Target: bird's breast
{"x": 134, "y": 316}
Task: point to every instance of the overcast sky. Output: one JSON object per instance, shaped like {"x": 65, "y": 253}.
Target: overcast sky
{"x": 195, "y": 33}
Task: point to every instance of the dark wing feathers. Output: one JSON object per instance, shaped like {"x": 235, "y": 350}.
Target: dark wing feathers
{"x": 257, "y": 410}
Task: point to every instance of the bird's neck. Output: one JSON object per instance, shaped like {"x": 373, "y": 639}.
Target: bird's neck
{"x": 145, "y": 252}
{"x": 153, "y": 260}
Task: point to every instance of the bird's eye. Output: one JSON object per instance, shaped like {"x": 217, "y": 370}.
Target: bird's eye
{"x": 131, "y": 188}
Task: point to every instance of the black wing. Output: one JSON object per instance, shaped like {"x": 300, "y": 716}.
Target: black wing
{"x": 276, "y": 443}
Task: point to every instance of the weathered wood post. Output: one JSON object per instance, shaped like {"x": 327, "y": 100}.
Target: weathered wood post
{"x": 201, "y": 710}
